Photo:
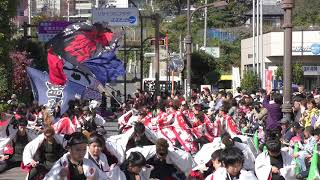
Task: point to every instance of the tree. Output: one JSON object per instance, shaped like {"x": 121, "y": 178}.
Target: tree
{"x": 4, "y": 83}
{"x": 230, "y": 16}
{"x": 306, "y": 13}
{"x": 250, "y": 81}
{"x": 203, "y": 69}
{"x": 36, "y": 52}
{"x": 279, "y": 73}
{"x": 230, "y": 55}
{"x": 8, "y": 11}
{"x": 297, "y": 73}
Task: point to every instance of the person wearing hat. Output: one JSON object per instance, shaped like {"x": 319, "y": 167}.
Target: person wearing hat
{"x": 286, "y": 131}
{"x": 73, "y": 165}
{"x": 17, "y": 140}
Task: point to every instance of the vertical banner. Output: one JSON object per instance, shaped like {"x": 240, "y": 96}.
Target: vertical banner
{"x": 268, "y": 81}
{"x": 235, "y": 79}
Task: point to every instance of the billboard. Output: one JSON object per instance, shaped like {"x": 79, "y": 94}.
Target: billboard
{"x": 116, "y": 16}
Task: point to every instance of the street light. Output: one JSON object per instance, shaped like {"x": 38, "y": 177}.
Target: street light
{"x": 188, "y": 39}
{"x": 287, "y": 6}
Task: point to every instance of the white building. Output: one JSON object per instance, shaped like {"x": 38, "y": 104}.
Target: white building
{"x": 305, "y": 49}
{"x": 52, "y": 7}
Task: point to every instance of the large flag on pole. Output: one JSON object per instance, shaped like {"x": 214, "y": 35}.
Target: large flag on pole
{"x": 84, "y": 50}
{"x": 51, "y": 95}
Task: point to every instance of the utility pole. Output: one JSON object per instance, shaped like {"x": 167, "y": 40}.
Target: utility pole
{"x": 205, "y": 25}
{"x": 141, "y": 51}
{"x": 262, "y": 65}
{"x": 68, "y": 10}
{"x": 258, "y": 38}
{"x": 29, "y": 17}
{"x": 157, "y": 53}
{"x": 188, "y": 42}
{"x": 125, "y": 65}
{"x": 254, "y": 35}
{"x": 188, "y": 39}
{"x": 287, "y": 6}
{"x": 167, "y": 63}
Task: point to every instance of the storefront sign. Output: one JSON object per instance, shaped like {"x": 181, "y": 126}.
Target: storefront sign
{"x": 306, "y": 49}
{"x": 48, "y": 29}
{"x": 311, "y": 70}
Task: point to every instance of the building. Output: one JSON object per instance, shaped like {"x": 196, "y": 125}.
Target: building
{"x": 272, "y": 14}
{"x": 305, "y": 49}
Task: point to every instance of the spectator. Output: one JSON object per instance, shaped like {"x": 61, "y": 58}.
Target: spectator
{"x": 286, "y": 130}
{"x": 273, "y": 105}
{"x": 311, "y": 114}
{"x": 103, "y": 104}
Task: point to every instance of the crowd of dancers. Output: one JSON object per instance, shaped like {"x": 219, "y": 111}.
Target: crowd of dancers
{"x": 213, "y": 136}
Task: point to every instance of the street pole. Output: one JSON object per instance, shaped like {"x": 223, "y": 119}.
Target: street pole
{"x": 188, "y": 42}
{"x": 68, "y": 10}
{"x": 287, "y": 6}
{"x": 205, "y": 25}
{"x": 254, "y": 35}
{"x": 258, "y": 38}
{"x": 188, "y": 39}
{"x": 262, "y": 68}
{"x": 157, "y": 53}
{"x": 29, "y": 17}
{"x": 125, "y": 65}
{"x": 141, "y": 45}
{"x": 167, "y": 63}
{"x": 141, "y": 52}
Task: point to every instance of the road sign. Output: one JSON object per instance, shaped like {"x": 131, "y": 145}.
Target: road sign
{"x": 213, "y": 51}
{"x": 116, "y": 16}
{"x": 176, "y": 64}
{"x": 48, "y": 29}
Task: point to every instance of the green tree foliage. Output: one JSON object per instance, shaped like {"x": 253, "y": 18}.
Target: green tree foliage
{"x": 171, "y": 7}
{"x": 279, "y": 74}
{"x": 7, "y": 12}
{"x": 4, "y": 83}
{"x": 203, "y": 69}
{"x": 250, "y": 81}
{"x": 230, "y": 55}
{"x": 297, "y": 73}
{"x": 306, "y": 13}
{"x": 230, "y": 16}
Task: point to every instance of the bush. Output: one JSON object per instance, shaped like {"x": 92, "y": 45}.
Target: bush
{"x": 4, "y": 83}
{"x": 250, "y": 81}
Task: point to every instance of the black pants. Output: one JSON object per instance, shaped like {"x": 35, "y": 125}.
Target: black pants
{"x": 8, "y": 164}
{"x": 38, "y": 172}
{"x": 277, "y": 177}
